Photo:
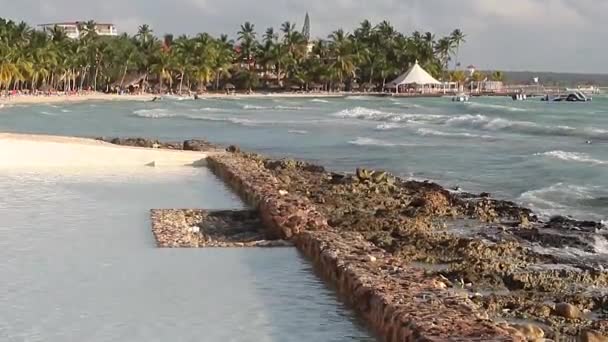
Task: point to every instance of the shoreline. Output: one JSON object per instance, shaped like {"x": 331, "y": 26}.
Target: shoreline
{"x": 44, "y": 99}
{"x": 412, "y": 258}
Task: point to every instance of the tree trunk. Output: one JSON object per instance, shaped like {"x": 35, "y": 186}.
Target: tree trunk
{"x": 95, "y": 80}
{"x": 181, "y": 82}
{"x": 124, "y": 74}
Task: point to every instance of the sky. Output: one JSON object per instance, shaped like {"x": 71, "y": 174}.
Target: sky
{"x": 526, "y": 35}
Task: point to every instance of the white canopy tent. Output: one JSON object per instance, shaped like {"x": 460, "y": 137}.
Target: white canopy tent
{"x": 415, "y": 75}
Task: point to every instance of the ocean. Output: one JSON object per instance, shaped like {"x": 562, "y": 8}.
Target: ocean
{"x": 534, "y": 153}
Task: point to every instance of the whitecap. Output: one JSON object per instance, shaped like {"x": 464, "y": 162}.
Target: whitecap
{"x": 65, "y": 110}
{"x": 432, "y": 132}
{"x": 561, "y": 198}
{"x": 319, "y": 101}
{"x": 572, "y": 157}
{"x": 47, "y": 113}
{"x": 387, "y": 126}
{"x": 297, "y": 131}
{"x": 365, "y": 141}
{"x": 480, "y": 121}
{"x": 208, "y": 109}
{"x": 254, "y": 107}
{"x": 158, "y": 113}
{"x": 278, "y": 107}
{"x": 363, "y": 113}
{"x": 495, "y": 106}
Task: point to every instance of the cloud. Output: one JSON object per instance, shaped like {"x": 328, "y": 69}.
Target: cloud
{"x": 559, "y": 35}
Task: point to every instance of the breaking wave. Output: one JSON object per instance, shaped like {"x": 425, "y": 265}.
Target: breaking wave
{"x": 479, "y": 121}
{"x": 387, "y": 126}
{"x": 363, "y": 113}
{"x": 297, "y": 131}
{"x": 363, "y": 141}
{"x": 209, "y": 109}
{"x": 432, "y": 132}
{"x": 279, "y": 107}
{"x": 561, "y": 198}
{"x": 153, "y": 113}
{"x": 572, "y": 156}
{"x": 319, "y": 101}
{"x": 495, "y": 106}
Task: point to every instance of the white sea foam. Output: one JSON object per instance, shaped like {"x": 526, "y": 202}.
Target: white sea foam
{"x": 561, "y": 198}
{"x": 297, "y": 131}
{"x": 365, "y": 141}
{"x": 253, "y": 107}
{"x": 209, "y": 109}
{"x": 157, "y": 113}
{"x": 495, "y": 106}
{"x": 480, "y": 121}
{"x": 572, "y": 157}
{"x": 43, "y": 112}
{"x": 319, "y": 101}
{"x": 387, "y": 126}
{"x": 363, "y": 113}
{"x": 433, "y": 132}
{"x": 278, "y": 107}
{"x": 65, "y": 110}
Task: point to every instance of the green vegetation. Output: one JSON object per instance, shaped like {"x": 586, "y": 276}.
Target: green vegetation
{"x": 366, "y": 59}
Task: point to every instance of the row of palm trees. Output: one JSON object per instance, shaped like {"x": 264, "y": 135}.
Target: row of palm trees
{"x": 371, "y": 55}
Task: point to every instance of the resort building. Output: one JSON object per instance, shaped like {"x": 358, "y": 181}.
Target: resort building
{"x": 74, "y": 29}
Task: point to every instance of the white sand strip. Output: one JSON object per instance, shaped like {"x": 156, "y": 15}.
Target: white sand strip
{"x": 28, "y": 99}
{"x": 28, "y": 150}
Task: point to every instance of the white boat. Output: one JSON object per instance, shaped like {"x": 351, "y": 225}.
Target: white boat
{"x": 519, "y": 97}
{"x": 573, "y": 96}
{"x": 591, "y": 90}
{"x": 462, "y": 97}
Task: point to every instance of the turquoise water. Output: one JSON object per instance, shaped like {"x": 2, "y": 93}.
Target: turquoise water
{"x": 79, "y": 263}
{"x": 532, "y": 152}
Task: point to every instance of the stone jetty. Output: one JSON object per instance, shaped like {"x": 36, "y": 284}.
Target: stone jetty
{"x": 416, "y": 261}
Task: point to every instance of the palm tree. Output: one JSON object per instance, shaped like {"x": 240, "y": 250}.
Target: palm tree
{"x": 478, "y": 77}
{"x": 144, "y": 34}
{"x": 458, "y": 38}
{"x": 343, "y": 64}
{"x": 33, "y": 59}
{"x": 248, "y": 43}
{"x": 459, "y": 77}
{"x": 498, "y": 76}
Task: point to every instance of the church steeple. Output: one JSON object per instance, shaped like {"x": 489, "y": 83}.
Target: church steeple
{"x": 306, "y": 28}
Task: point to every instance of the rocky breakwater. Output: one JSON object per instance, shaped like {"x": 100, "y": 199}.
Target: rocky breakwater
{"x": 184, "y": 228}
{"x": 494, "y": 253}
{"x": 186, "y": 145}
{"x": 345, "y": 223}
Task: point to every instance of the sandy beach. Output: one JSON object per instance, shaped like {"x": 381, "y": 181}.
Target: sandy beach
{"x": 34, "y": 150}
{"x": 42, "y": 99}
